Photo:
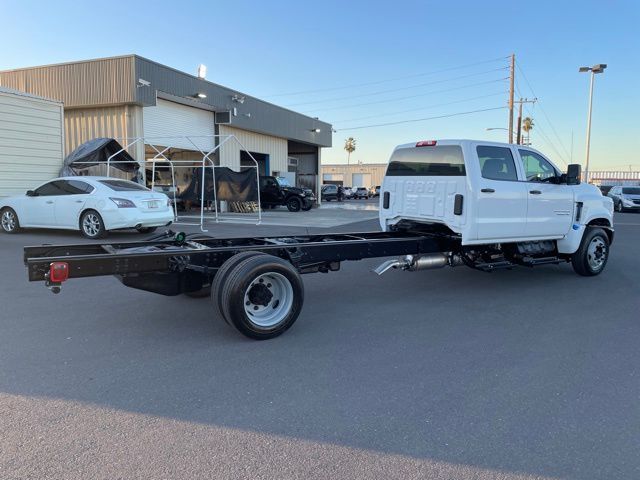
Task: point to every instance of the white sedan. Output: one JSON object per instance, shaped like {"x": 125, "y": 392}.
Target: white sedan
{"x": 93, "y": 205}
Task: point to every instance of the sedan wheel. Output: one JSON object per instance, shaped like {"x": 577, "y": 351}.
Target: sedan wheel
{"x": 91, "y": 225}
{"x": 9, "y": 221}
{"x": 619, "y": 207}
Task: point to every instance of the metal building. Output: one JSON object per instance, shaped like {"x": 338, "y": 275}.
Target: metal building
{"x": 31, "y": 145}
{"x": 358, "y": 175}
{"x": 130, "y": 96}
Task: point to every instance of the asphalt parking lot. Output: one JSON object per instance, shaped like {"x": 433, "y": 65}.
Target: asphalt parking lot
{"x": 448, "y": 374}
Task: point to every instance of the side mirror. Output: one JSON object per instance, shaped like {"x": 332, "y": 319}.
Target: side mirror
{"x": 574, "y": 171}
{"x": 31, "y": 193}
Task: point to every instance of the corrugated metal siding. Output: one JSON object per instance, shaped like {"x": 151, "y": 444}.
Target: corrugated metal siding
{"x": 105, "y": 81}
{"x": 121, "y": 122}
{"x": 346, "y": 172}
{"x": 167, "y": 120}
{"x": 275, "y": 147}
{"x": 263, "y": 117}
{"x": 31, "y": 147}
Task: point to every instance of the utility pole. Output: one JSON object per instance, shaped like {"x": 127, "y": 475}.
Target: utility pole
{"x": 520, "y": 102}
{"x": 512, "y": 73}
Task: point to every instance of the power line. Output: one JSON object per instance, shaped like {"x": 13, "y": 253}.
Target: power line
{"x": 421, "y": 119}
{"x": 380, "y": 92}
{"x": 546, "y": 138}
{"x": 424, "y": 107}
{"x": 410, "y": 96}
{"x": 543, "y": 110}
{"x": 356, "y": 85}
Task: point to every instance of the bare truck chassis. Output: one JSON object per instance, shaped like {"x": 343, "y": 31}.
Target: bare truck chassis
{"x": 254, "y": 282}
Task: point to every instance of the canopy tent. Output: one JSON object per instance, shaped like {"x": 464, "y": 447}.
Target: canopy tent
{"x": 97, "y": 152}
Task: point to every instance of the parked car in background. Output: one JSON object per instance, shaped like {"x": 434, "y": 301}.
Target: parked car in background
{"x": 93, "y": 205}
{"x": 328, "y": 193}
{"x": 348, "y": 192}
{"x": 625, "y": 198}
{"x": 361, "y": 192}
{"x": 276, "y": 191}
{"x": 605, "y": 189}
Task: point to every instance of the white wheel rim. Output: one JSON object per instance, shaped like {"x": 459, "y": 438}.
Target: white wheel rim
{"x": 268, "y": 299}
{"x": 8, "y": 221}
{"x": 597, "y": 253}
{"x": 91, "y": 224}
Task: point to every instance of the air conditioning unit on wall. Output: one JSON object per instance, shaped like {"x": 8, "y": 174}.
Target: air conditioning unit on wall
{"x": 223, "y": 118}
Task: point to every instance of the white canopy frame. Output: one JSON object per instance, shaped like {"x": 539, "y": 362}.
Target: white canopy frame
{"x": 204, "y": 163}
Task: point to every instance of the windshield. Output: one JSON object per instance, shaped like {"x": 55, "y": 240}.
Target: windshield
{"x": 123, "y": 185}
{"x": 283, "y": 182}
{"x": 631, "y": 191}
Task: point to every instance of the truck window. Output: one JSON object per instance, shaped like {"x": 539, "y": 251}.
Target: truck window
{"x": 437, "y": 161}
{"x": 496, "y": 163}
{"x": 537, "y": 169}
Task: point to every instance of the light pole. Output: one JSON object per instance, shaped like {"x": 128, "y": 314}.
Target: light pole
{"x": 598, "y": 68}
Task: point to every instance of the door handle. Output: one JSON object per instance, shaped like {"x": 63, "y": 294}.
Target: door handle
{"x": 79, "y": 201}
{"x": 487, "y": 190}
{"x": 535, "y": 192}
{"x": 49, "y": 201}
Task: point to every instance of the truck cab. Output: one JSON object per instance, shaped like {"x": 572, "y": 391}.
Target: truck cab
{"x": 490, "y": 193}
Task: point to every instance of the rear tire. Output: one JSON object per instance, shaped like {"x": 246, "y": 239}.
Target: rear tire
{"x": 92, "y": 225}
{"x": 144, "y": 230}
{"x": 9, "y": 220}
{"x": 222, "y": 274}
{"x": 294, "y": 204}
{"x": 262, "y": 296}
{"x": 593, "y": 253}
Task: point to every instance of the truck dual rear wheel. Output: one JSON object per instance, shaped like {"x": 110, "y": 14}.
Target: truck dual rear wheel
{"x": 593, "y": 253}
{"x": 261, "y": 296}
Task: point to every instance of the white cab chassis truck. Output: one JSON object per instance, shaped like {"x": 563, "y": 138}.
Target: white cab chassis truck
{"x": 442, "y": 203}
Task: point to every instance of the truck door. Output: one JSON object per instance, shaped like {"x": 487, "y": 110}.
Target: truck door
{"x": 550, "y": 205}
{"x": 501, "y": 198}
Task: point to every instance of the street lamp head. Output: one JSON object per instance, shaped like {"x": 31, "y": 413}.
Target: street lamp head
{"x": 584, "y": 69}
{"x": 599, "y": 68}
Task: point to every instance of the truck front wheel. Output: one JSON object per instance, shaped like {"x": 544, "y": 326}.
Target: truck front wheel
{"x": 593, "y": 253}
{"x": 262, "y": 296}
{"x": 294, "y": 204}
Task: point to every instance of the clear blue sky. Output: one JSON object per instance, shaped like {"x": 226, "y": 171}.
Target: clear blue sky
{"x": 267, "y": 48}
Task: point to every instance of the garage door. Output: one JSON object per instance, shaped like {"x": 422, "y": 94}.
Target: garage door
{"x": 362, "y": 180}
{"x": 31, "y": 141}
{"x": 170, "y": 119}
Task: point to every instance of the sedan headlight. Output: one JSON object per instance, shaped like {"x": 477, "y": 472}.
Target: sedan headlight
{"x": 122, "y": 202}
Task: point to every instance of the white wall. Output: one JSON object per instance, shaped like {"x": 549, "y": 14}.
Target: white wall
{"x": 276, "y": 148}
{"x": 31, "y": 142}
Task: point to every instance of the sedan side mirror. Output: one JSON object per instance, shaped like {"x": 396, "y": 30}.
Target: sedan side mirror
{"x": 31, "y": 193}
{"x": 574, "y": 171}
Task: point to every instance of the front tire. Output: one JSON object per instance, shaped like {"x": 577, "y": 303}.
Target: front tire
{"x": 619, "y": 207}
{"x": 9, "y": 220}
{"x": 92, "y": 225}
{"x": 593, "y": 253}
{"x": 294, "y": 204}
{"x": 262, "y": 296}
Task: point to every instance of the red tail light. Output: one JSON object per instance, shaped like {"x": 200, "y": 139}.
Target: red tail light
{"x": 426, "y": 143}
{"x": 58, "y": 272}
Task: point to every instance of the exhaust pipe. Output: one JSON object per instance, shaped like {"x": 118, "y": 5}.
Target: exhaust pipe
{"x": 413, "y": 263}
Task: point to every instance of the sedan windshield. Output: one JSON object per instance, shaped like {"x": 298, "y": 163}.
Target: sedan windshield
{"x": 123, "y": 185}
{"x": 631, "y": 191}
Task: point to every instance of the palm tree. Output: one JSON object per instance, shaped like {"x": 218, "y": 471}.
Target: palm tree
{"x": 527, "y": 126}
{"x": 350, "y": 147}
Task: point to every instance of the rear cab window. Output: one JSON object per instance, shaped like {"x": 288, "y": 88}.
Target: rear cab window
{"x": 429, "y": 161}
{"x": 123, "y": 185}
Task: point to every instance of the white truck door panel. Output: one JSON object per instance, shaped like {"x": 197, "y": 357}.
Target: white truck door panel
{"x": 501, "y": 198}
{"x": 550, "y": 205}
{"x": 549, "y": 212}
{"x": 502, "y": 209}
